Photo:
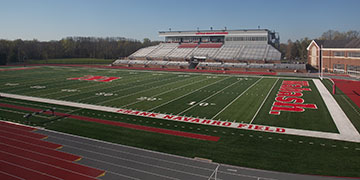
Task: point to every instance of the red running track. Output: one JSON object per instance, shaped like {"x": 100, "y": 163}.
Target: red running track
{"x": 29, "y": 140}
{"x": 23, "y": 172}
{"x": 24, "y": 155}
{"x": 120, "y": 124}
{"x": 42, "y": 167}
{"x": 38, "y": 148}
{"x": 349, "y": 88}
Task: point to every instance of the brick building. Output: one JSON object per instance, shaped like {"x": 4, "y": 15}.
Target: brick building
{"x": 341, "y": 56}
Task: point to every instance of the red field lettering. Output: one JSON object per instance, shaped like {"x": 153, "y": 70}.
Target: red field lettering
{"x": 303, "y": 83}
{"x": 206, "y": 121}
{"x": 242, "y": 125}
{"x": 284, "y": 93}
{"x": 267, "y": 128}
{"x": 168, "y": 117}
{"x": 226, "y": 124}
{"x": 153, "y": 115}
{"x": 281, "y": 130}
{"x": 279, "y": 106}
{"x": 259, "y": 128}
{"x": 290, "y": 99}
{"x": 95, "y": 78}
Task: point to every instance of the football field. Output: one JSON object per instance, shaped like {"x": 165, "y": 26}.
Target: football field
{"x": 229, "y": 98}
{"x": 207, "y": 104}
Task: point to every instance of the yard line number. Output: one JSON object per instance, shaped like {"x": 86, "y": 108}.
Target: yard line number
{"x": 203, "y": 104}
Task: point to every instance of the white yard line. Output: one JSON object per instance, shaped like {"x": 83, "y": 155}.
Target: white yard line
{"x": 185, "y": 95}
{"x": 263, "y": 101}
{"x": 156, "y": 95}
{"x": 93, "y": 86}
{"x": 207, "y": 97}
{"x": 236, "y": 98}
{"x": 342, "y": 122}
{"x": 119, "y": 97}
{"x": 263, "y": 128}
{"x": 142, "y": 79}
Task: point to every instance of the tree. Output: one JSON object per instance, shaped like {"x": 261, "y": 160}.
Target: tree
{"x": 336, "y": 35}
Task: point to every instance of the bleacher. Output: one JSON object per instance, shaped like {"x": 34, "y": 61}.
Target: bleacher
{"x": 210, "y": 45}
{"x": 143, "y": 52}
{"x": 214, "y": 51}
{"x": 180, "y": 53}
{"x": 241, "y": 50}
{"x": 212, "y": 65}
{"x": 188, "y": 45}
{"x": 143, "y": 63}
{"x": 229, "y": 52}
{"x": 162, "y": 51}
{"x": 205, "y": 52}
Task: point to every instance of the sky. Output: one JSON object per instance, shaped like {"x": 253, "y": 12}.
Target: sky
{"x": 46, "y": 20}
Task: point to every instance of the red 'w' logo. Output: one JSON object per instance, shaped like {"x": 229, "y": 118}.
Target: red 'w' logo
{"x": 95, "y": 78}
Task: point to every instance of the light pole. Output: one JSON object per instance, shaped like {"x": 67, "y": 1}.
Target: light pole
{"x": 321, "y": 62}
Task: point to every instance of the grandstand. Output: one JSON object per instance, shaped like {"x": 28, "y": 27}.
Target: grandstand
{"x": 210, "y": 65}
{"x": 249, "y": 49}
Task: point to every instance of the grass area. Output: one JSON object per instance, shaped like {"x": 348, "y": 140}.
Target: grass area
{"x": 351, "y": 110}
{"x": 221, "y": 97}
{"x": 237, "y": 147}
{"x": 72, "y": 61}
{"x": 312, "y": 119}
{"x": 225, "y": 97}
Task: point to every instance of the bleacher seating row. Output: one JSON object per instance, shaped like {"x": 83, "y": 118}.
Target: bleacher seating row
{"x": 145, "y": 62}
{"x": 214, "y": 51}
{"x": 212, "y": 64}
{"x": 253, "y": 65}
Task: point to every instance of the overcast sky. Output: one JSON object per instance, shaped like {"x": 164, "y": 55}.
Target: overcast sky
{"x": 55, "y": 19}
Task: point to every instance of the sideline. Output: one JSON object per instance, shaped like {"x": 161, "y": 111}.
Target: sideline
{"x": 341, "y": 121}
{"x": 254, "y": 127}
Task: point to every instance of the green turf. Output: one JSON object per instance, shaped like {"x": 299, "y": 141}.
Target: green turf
{"x": 224, "y": 97}
{"x": 221, "y": 97}
{"x": 244, "y": 108}
{"x": 351, "y": 110}
{"x": 312, "y": 119}
{"x": 238, "y": 147}
{"x": 71, "y": 61}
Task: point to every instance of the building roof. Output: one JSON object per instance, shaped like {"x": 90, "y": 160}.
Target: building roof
{"x": 263, "y": 32}
{"x": 354, "y": 43}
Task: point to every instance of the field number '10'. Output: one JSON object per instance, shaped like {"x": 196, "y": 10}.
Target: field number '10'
{"x": 200, "y": 104}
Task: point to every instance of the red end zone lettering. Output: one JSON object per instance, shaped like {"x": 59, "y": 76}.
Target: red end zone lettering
{"x": 95, "y": 78}
{"x": 288, "y": 98}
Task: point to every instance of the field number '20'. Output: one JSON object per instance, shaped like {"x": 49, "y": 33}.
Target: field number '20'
{"x": 200, "y": 104}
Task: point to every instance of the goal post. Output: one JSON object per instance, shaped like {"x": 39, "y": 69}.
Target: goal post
{"x": 333, "y": 85}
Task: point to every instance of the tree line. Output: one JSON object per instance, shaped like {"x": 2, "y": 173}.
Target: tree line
{"x": 18, "y": 51}
{"x": 296, "y": 50}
